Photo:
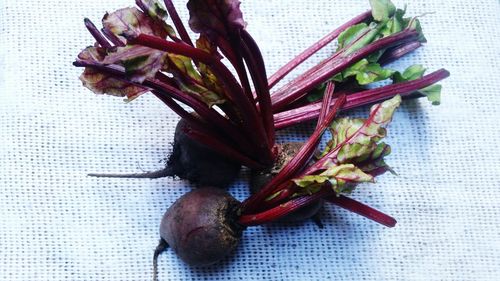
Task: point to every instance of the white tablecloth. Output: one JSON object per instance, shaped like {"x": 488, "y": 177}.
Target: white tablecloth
{"x": 58, "y": 224}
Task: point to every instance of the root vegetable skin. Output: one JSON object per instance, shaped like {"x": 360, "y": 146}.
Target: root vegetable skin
{"x": 200, "y": 226}
{"x": 198, "y": 163}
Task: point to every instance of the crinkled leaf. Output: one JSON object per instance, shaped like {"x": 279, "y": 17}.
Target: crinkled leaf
{"x": 343, "y": 178}
{"x": 132, "y": 20}
{"x": 185, "y": 66}
{"x": 366, "y": 72}
{"x": 433, "y": 93}
{"x": 207, "y": 96}
{"x": 382, "y": 10}
{"x": 140, "y": 62}
{"x": 100, "y": 83}
{"x": 411, "y": 73}
{"x": 211, "y": 17}
{"x": 190, "y": 81}
{"x": 209, "y": 78}
{"x": 374, "y": 163}
{"x": 309, "y": 184}
{"x": 155, "y": 11}
{"x": 355, "y": 138}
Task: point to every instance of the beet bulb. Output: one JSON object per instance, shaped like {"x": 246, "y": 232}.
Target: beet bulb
{"x": 201, "y": 226}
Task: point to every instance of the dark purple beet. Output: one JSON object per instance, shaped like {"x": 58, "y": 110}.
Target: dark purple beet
{"x": 201, "y": 226}
{"x": 198, "y": 163}
{"x": 258, "y": 179}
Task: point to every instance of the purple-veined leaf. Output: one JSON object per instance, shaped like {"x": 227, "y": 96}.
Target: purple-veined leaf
{"x": 342, "y": 178}
{"x": 139, "y": 62}
{"x": 215, "y": 16}
{"x": 101, "y": 83}
{"x": 157, "y": 13}
{"x": 132, "y": 21}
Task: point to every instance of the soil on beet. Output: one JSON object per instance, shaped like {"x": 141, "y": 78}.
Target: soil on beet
{"x": 201, "y": 226}
{"x": 258, "y": 179}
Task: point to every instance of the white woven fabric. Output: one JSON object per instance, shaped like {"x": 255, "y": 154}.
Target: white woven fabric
{"x": 58, "y": 224}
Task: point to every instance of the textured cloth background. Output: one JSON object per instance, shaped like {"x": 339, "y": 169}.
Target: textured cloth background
{"x": 58, "y": 224}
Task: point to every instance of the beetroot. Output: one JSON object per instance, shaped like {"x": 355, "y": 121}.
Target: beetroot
{"x": 222, "y": 78}
{"x": 201, "y": 226}
{"x": 198, "y": 163}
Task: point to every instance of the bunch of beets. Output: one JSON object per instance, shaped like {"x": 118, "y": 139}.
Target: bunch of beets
{"x": 234, "y": 113}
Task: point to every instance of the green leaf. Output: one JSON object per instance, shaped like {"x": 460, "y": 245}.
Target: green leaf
{"x": 317, "y": 93}
{"x": 373, "y": 73}
{"x": 355, "y": 138}
{"x": 185, "y": 66}
{"x": 382, "y": 10}
{"x": 342, "y": 178}
{"x": 395, "y": 24}
{"x": 411, "y": 73}
{"x": 367, "y": 72}
{"x": 354, "y": 154}
{"x": 358, "y": 38}
{"x": 374, "y": 163}
{"x": 351, "y": 33}
{"x": 202, "y": 93}
{"x": 433, "y": 93}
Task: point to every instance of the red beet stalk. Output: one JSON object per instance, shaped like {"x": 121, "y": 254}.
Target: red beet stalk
{"x": 405, "y": 89}
{"x": 291, "y": 65}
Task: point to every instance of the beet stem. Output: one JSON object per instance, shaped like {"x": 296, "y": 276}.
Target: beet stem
{"x": 251, "y": 124}
{"x": 298, "y": 87}
{"x": 299, "y": 59}
{"x": 299, "y": 160}
{"x": 162, "y": 246}
{"x": 112, "y": 37}
{"x": 405, "y": 89}
{"x": 177, "y": 22}
{"x": 284, "y": 208}
{"x": 96, "y": 34}
{"x": 164, "y": 88}
{"x": 398, "y": 52}
{"x": 362, "y": 209}
{"x": 255, "y": 62}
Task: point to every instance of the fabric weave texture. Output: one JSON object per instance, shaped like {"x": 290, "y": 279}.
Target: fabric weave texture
{"x": 58, "y": 224}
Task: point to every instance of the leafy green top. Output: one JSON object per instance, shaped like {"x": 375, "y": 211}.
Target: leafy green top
{"x": 354, "y": 154}
{"x": 387, "y": 20}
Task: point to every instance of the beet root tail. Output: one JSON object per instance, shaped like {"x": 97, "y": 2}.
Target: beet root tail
{"x": 162, "y": 246}
{"x": 165, "y": 172}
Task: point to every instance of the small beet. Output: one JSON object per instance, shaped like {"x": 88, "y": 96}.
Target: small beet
{"x": 201, "y": 226}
